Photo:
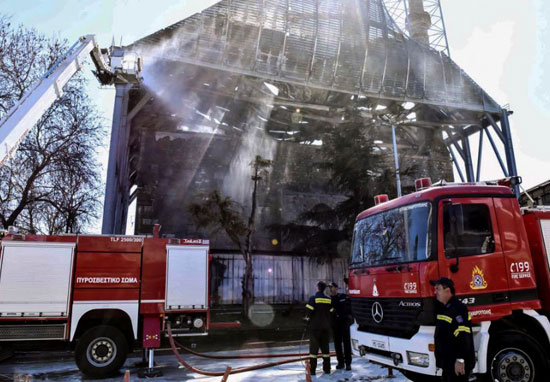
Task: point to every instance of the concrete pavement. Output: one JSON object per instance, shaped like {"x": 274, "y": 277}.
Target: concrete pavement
{"x": 60, "y": 366}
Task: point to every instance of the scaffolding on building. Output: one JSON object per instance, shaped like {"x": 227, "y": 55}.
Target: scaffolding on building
{"x": 321, "y": 61}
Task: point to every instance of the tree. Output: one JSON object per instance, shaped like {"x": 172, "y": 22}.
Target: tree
{"x": 217, "y": 213}
{"x": 358, "y": 169}
{"x": 52, "y": 183}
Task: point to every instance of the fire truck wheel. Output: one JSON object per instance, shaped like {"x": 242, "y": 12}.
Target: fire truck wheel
{"x": 101, "y": 351}
{"x": 516, "y": 357}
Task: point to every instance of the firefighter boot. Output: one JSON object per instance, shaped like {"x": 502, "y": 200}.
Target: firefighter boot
{"x": 312, "y": 365}
{"x": 326, "y": 364}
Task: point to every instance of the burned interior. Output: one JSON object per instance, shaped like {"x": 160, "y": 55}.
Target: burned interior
{"x": 246, "y": 78}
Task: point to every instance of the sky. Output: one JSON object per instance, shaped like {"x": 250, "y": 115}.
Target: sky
{"x": 504, "y": 45}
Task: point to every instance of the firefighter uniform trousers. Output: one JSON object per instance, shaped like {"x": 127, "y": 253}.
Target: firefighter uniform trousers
{"x": 319, "y": 311}
{"x": 454, "y": 340}
{"x": 340, "y": 328}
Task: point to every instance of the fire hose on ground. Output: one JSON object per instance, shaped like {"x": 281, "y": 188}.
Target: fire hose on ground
{"x": 229, "y": 370}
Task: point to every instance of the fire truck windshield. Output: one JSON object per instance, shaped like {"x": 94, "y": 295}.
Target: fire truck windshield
{"x": 396, "y": 236}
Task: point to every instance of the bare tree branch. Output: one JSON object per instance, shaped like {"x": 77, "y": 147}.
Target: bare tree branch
{"x": 51, "y": 184}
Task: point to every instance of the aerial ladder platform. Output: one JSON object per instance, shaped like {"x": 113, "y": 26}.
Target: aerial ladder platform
{"x": 110, "y": 68}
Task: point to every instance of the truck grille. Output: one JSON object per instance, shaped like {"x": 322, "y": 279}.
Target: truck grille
{"x": 401, "y": 316}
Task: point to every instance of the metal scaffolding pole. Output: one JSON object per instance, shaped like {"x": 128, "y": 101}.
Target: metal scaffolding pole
{"x": 112, "y": 207}
{"x": 457, "y": 166}
{"x": 495, "y": 149}
{"x": 509, "y": 148}
{"x": 396, "y": 158}
{"x": 468, "y": 163}
{"x": 479, "y": 154}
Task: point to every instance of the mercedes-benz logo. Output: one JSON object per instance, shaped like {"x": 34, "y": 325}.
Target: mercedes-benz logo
{"x": 377, "y": 312}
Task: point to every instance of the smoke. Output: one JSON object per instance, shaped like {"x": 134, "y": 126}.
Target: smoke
{"x": 195, "y": 97}
{"x": 238, "y": 183}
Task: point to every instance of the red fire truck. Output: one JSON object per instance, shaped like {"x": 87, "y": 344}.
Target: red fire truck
{"x": 498, "y": 256}
{"x": 103, "y": 294}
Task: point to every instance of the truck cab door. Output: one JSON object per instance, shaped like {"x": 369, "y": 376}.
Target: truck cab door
{"x": 470, "y": 251}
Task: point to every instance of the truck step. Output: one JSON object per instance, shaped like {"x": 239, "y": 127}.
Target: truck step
{"x": 32, "y": 332}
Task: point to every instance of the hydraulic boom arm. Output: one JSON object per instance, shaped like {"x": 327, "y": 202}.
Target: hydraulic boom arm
{"x": 17, "y": 123}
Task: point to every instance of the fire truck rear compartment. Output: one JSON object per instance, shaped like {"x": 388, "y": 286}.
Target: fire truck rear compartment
{"x": 186, "y": 277}
{"x": 186, "y": 289}
{"x": 35, "y": 281}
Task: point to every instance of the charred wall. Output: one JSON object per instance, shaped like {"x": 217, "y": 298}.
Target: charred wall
{"x": 194, "y": 138}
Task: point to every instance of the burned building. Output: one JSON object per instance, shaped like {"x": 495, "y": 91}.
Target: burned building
{"x": 246, "y": 78}
{"x": 538, "y": 195}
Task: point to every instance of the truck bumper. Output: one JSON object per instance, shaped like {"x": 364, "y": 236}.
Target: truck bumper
{"x": 382, "y": 349}
{"x": 399, "y": 353}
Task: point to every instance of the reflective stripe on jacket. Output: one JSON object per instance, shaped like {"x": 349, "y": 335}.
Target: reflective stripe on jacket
{"x": 453, "y": 335}
{"x": 319, "y": 309}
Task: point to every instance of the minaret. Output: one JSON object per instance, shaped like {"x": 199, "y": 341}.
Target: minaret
{"x": 419, "y": 22}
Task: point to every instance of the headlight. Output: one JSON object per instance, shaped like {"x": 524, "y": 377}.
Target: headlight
{"x": 198, "y": 323}
{"x": 418, "y": 359}
{"x": 355, "y": 344}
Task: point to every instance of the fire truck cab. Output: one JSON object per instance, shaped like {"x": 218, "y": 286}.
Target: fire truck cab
{"x": 104, "y": 295}
{"x": 496, "y": 254}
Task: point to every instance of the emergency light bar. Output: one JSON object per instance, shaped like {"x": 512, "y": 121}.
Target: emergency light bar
{"x": 422, "y": 183}
{"x": 381, "y": 199}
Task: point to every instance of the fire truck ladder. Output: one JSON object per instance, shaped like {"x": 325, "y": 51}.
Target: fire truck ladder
{"x": 19, "y": 120}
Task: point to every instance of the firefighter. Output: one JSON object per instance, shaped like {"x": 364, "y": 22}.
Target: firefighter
{"x": 341, "y": 322}
{"x": 454, "y": 344}
{"x": 319, "y": 310}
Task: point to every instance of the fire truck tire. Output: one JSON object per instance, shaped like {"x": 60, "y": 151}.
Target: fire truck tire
{"x": 515, "y": 356}
{"x": 417, "y": 377}
{"x": 101, "y": 351}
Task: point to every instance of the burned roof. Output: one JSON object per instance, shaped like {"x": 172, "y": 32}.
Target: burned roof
{"x": 344, "y": 46}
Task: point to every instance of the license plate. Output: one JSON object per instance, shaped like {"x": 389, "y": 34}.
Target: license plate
{"x": 381, "y": 345}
